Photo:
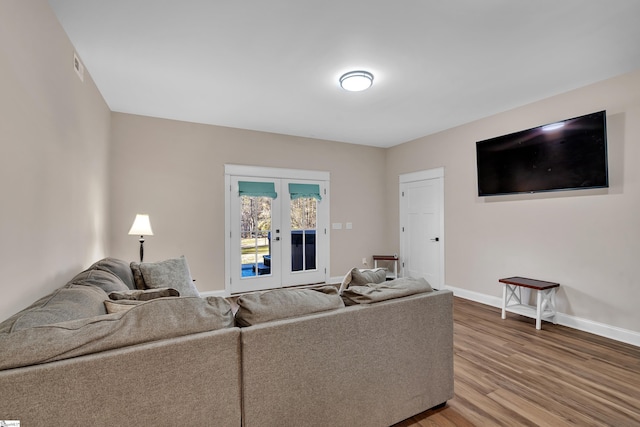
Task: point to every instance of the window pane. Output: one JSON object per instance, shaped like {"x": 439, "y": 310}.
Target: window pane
{"x": 310, "y": 249}
{"x": 255, "y": 233}
{"x": 303, "y": 234}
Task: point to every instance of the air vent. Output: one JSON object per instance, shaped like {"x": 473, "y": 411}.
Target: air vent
{"x": 77, "y": 65}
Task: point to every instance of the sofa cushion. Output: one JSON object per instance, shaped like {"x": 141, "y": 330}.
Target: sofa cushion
{"x": 373, "y": 292}
{"x": 64, "y": 304}
{"x": 154, "y": 320}
{"x": 171, "y": 273}
{"x": 261, "y": 307}
{"x": 103, "y": 279}
{"x": 144, "y": 294}
{"x": 118, "y": 267}
{"x": 360, "y": 277}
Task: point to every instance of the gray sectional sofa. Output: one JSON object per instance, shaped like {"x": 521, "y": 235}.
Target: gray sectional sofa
{"x": 98, "y": 352}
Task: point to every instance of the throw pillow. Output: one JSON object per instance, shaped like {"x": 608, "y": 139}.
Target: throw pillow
{"x": 171, "y": 273}
{"x": 138, "y": 280}
{"x": 363, "y": 277}
{"x": 261, "y": 307}
{"x": 346, "y": 280}
{"x": 103, "y": 279}
{"x": 144, "y": 294}
{"x": 120, "y": 306}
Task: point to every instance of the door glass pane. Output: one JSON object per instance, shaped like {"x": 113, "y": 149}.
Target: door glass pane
{"x": 255, "y": 235}
{"x": 303, "y": 234}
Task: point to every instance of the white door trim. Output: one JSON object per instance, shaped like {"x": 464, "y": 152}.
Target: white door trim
{"x": 266, "y": 172}
{"x": 423, "y": 176}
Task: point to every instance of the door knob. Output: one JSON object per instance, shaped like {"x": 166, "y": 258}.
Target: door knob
{"x": 436, "y": 239}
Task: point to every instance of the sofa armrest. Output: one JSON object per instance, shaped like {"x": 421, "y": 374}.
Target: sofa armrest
{"x": 189, "y": 380}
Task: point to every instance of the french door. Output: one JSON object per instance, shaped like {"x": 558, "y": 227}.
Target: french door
{"x": 277, "y": 231}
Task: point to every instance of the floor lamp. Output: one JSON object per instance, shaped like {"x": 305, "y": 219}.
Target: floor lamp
{"x": 141, "y": 227}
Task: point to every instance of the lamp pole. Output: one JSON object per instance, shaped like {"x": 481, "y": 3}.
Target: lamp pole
{"x": 141, "y": 248}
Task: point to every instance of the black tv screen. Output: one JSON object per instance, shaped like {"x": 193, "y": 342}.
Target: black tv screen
{"x": 566, "y": 155}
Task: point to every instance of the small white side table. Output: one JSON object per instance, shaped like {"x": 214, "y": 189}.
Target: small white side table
{"x": 545, "y": 299}
{"x": 394, "y": 258}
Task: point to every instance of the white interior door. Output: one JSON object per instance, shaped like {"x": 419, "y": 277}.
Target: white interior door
{"x": 422, "y": 227}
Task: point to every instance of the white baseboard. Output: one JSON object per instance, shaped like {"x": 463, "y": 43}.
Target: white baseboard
{"x": 335, "y": 280}
{"x": 596, "y": 328}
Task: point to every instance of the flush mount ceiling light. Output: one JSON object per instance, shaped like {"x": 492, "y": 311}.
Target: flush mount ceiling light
{"x": 356, "y": 81}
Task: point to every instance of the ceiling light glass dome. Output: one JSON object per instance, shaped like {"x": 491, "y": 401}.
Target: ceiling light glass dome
{"x": 356, "y": 81}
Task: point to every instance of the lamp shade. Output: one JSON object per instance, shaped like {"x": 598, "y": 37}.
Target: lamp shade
{"x": 141, "y": 226}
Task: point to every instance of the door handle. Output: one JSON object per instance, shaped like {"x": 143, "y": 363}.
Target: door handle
{"x": 436, "y": 239}
{"x": 276, "y": 239}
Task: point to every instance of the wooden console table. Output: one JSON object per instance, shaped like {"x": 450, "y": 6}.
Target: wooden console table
{"x": 545, "y": 299}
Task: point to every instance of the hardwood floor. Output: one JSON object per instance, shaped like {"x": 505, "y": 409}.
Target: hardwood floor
{"x": 507, "y": 373}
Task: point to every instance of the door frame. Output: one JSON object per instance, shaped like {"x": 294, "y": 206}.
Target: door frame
{"x": 423, "y": 175}
{"x": 277, "y": 173}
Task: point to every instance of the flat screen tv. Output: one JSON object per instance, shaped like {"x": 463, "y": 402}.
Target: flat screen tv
{"x": 566, "y": 155}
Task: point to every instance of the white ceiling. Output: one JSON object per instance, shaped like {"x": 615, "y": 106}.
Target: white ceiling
{"x": 274, "y": 65}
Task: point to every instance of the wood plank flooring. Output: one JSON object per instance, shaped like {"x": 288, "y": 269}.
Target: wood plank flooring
{"x": 507, "y": 373}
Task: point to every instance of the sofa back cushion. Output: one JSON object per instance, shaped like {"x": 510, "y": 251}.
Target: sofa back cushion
{"x": 264, "y": 307}
{"x": 376, "y": 292}
{"x": 68, "y": 303}
{"x": 102, "y": 279}
{"x": 117, "y": 267}
{"x": 149, "y": 321}
{"x": 363, "y": 277}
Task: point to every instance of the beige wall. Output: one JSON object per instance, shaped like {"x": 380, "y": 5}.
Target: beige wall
{"x": 589, "y": 242}
{"x": 61, "y": 148}
{"x": 54, "y": 135}
{"x": 174, "y": 171}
